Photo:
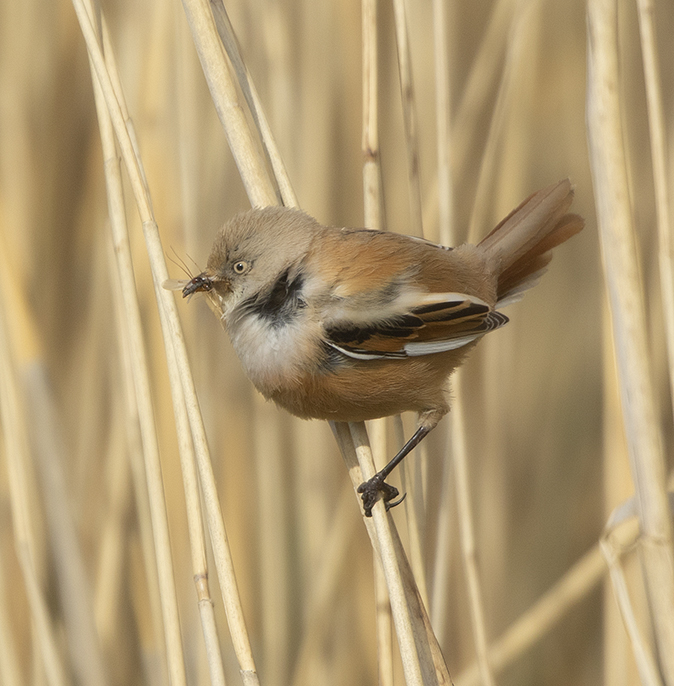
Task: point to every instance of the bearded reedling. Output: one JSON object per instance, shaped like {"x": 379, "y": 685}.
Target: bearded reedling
{"x": 354, "y": 324}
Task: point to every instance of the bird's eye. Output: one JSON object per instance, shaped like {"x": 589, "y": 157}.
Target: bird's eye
{"x": 240, "y": 267}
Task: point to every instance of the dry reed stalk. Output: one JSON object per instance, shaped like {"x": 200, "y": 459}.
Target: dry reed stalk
{"x": 439, "y": 596}
{"x": 195, "y": 527}
{"x": 474, "y": 97}
{"x": 325, "y": 585}
{"x": 380, "y": 455}
{"x": 446, "y": 236}
{"x": 486, "y": 65}
{"x": 10, "y": 671}
{"x": 467, "y": 536}
{"x": 618, "y": 242}
{"x": 618, "y": 661}
{"x": 538, "y": 620}
{"x": 274, "y": 541}
{"x": 658, "y": 138}
{"x": 421, "y": 656}
{"x": 22, "y": 505}
{"x": 419, "y": 650}
{"x": 446, "y": 228}
{"x": 610, "y": 549}
{"x": 391, "y": 576}
{"x": 412, "y": 483}
{"x": 374, "y": 217}
{"x": 384, "y": 627}
{"x": 241, "y": 142}
{"x": 173, "y": 337}
{"x": 373, "y": 206}
{"x": 55, "y": 674}
{"x": 118, "y": 263}
{"x": 381, "y": 526}
{"x": 48, "y": 449}
{"x": 409, "y": 117}
{"x": 140, "y": 429}
{"x": 132, "y": 333}
{"x": 113, "y": 542}
{"x": 231, "y": 45}
{"x": 513, "y": 68}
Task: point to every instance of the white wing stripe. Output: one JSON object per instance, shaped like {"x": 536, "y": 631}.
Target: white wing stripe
{"x": 365, "y": 355}
{"x": 430, "y": 347}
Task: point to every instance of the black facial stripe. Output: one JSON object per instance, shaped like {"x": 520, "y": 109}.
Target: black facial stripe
{"x": 280, "y": 304}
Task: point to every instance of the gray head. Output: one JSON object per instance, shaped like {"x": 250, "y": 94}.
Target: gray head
{"x": 252, "y": 251}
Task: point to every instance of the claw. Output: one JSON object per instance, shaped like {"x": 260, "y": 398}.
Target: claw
{"x": 377, "y": 488}
{"x": 395, "y": 503}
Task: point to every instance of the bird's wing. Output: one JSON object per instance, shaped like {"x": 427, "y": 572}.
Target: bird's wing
{"x": 434, "y": 323}
{"x": 384, "y": 307}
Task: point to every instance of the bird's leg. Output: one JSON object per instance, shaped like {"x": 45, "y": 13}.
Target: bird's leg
{"x": 376, "y": 487}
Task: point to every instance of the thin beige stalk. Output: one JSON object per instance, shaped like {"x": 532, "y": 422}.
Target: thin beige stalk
{"x": 55, "y": 674}
{"x": 374, "y": 217}
{"x": 467, "y": 536}
{"x": 74, "y": 589}
{"x": 617, "y": 487}
{"x": 231, "y": 45}
{"x": 512, "y": 68}
{"x": 657, "y": 130}
{"x": 474, "y": 97}
{"x": 446, "y": 236}
{"x": 241, "y": 142}
{"x": 113, "y": 540}
{"x": 17, "y": 455}
{"x": 609, "y": 170}
{"x": 442, "y": 124}
{"x": 10, "y": 672}
{"x": 325, "y": 585}
{"x": 486, "y": 65}
{"x": 420, "y": 651}
{"x": 372, "y": 193}
{"x": 646, "y": 663}
{"x": 132, "y": 333}
{"x": 382, "y": 527}
{"x": 430, "y": 653}
{"x": 384, "y": 626}
{"x": 352, "y": 441}
{"x": 409, "y": 117}
{"x": 274, "y": 540}
{"x": 439, "y": 596}
{"x": 132, "y": 435}
{"x": 46, "y": 448}
{"x": 378, "y": 431}
{"x": 545, "y": 613}
{"x": 173, "y": 336}
{"x": 411, "y": 484}
{"x": 195, "y": 526}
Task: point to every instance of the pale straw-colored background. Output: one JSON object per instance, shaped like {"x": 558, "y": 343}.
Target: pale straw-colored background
{"x": 547, "y": 458}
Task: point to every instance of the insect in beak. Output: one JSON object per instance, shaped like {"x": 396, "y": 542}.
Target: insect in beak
{"x": 198, "y": 283}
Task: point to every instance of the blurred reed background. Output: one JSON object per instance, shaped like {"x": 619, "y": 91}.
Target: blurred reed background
{"x": 547, "y": 460}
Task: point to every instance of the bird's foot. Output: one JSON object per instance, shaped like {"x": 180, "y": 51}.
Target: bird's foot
{"x": 375, "y": 488}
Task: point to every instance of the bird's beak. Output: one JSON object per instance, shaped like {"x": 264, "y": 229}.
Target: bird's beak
{"x": 202, "y": 282}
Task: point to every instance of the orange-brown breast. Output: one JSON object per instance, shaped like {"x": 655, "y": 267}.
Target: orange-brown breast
{"x": 370, "y": 389}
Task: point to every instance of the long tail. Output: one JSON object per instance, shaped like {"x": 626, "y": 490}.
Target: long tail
{"x": 518, "y": 249}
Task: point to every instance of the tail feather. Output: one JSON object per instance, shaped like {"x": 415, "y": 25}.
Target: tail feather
{"x": 518, "y": 249}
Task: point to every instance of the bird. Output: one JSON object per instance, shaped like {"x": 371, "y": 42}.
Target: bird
{"x": 352, "y": 324}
